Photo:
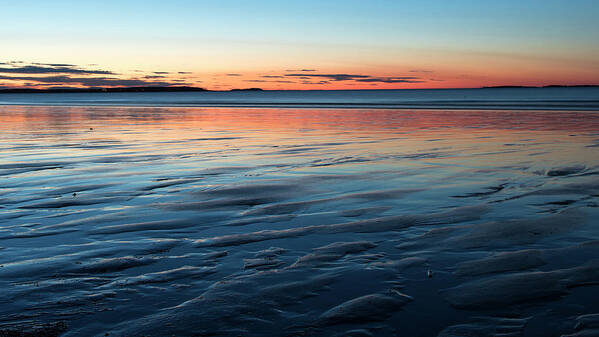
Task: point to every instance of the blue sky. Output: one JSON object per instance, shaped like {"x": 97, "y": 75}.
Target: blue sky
{"x": 252, "y": 37}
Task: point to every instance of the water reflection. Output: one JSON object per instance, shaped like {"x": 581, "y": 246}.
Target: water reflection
{"x": 259, "y": 220}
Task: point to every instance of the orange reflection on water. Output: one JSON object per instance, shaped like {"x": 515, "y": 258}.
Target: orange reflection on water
{"x": 24, "y": 118}
{"x": 55, "y": 131}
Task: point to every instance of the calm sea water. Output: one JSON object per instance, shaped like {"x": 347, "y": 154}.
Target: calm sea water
{"x": 159, "y": 221}
{"x": 517, "y": 98}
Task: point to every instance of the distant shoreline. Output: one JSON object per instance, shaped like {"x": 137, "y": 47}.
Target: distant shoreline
{"x": 197, "y": 89}
{"x": 117, "y": 89}
{"x": 544, "y": 86}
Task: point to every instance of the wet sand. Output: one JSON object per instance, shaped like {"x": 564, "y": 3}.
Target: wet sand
{"x": 298, "y": 222}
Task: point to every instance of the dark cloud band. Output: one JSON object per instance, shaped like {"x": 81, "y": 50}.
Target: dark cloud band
{"x": 52, "y": 69}
{"x": 85, "y": 81}
{"x": 359, "y": 78}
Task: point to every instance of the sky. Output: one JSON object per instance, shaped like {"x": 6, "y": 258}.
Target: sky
{"x": 326, "y": 44}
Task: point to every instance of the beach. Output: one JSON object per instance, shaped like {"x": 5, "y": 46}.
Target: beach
{"x": 164, "y": 219}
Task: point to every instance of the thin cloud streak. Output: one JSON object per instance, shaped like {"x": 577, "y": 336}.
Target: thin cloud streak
{"x": 269, "y": 81}
{"x": 390, "y": 80}
{"x": 58, "y": 69}
{"x": 86, "y": 81}
{"x": 333, "y": 77}
{"x": 360, "y": 78}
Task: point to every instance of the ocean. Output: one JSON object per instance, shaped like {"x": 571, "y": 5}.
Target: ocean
{"x": 575, "y": 98}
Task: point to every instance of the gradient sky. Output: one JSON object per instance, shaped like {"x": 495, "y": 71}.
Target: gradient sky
{"x": 323, "y": 44}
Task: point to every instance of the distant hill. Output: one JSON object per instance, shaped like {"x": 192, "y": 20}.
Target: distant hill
{"x": 120, "y": 89}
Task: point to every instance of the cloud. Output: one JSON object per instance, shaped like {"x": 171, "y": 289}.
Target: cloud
{"x": 43, "y": 75}
{"x": 56, "y": 64}
{"x": 86, "y": 81}
{"x": 359, "y": 78}
{"x": 51, "y": 69}
{"x": 319, "y": 82}
{"x": 391, "y": 80}
{"x": 179, "y": 80}
{"x": 20, "y": 74}
{"x": 333, "y": 77}
{"x": 267, "y": 81}
{"x": 425, "y": 71}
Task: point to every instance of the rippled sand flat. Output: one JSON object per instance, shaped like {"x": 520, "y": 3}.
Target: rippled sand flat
{"x": 298, "y": 222}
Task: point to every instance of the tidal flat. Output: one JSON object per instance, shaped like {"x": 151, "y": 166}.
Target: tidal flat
{"x": 188, "y": 221}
